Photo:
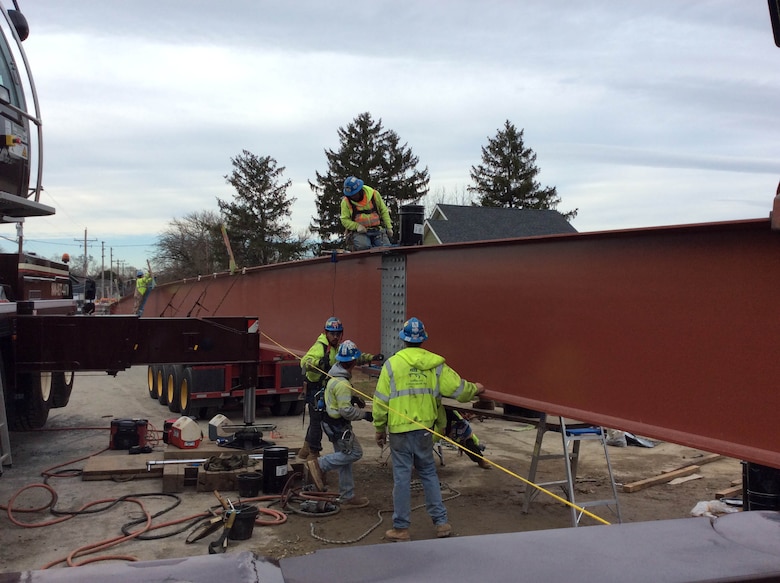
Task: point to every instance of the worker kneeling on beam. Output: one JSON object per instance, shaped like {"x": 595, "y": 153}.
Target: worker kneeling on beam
{"x": 341, "y": 408}
{"x": 453, "y": 425}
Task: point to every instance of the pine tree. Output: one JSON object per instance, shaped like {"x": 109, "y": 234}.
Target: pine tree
{"x": 257, "y": 220}
{"x": 507, "y": 175}
{"x": 376, "y": 156}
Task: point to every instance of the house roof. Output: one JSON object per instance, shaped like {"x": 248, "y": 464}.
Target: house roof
{"x": 451, "y": 223}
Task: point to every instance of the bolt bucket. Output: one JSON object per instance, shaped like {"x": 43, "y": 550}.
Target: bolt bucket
{"x": 760, "y": 487}
{"x": 412, "y": 220}
{"x": 245, "y": 522}
{"x": 274, "y": 469}
{"x": 249, "y": 484}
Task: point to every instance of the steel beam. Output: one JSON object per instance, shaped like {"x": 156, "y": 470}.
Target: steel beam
{"x": 666, "y": 332}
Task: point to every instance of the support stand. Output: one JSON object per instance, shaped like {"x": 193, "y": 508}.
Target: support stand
{"x": 249, "y": 436}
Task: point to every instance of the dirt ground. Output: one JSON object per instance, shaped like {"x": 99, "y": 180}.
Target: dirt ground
{"x": 478, "y": 501}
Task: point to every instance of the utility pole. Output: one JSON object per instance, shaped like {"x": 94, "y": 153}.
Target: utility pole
{"x": 102, "y": 269}
{"x": 86, "y": 257}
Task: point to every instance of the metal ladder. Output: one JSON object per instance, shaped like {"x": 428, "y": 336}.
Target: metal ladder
{"x": 571, "y": 437}
{"x": 5, "y": 441}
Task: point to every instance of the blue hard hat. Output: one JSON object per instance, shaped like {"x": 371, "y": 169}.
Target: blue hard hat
{"x": 139, "y": 273}
{"x": 333, "y": 325}
{"x": 352, "y": 186}
{"x": 348, "y": 352}
{"x": 413, "y": 331}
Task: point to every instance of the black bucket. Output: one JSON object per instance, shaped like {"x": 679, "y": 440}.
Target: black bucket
{"x": 245, "y": 522}
{"x": 412, "y": 221}
{"x": 760, "y": 487}
{"x": 249, "y": 484}
{"x": 274, "y": 469}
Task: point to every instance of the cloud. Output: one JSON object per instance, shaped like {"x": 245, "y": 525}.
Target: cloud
{"x": 659, "y": 111}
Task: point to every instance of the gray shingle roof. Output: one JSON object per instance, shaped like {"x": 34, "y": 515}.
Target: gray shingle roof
{"x": 458, "y": 224}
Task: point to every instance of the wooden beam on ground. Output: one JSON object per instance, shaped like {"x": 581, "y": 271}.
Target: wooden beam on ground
{"x": 662, "y": 479}
{"x": 728, "y": 492}
{"x": 713, "y": 457}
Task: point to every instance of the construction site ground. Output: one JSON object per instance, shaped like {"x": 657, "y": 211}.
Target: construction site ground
{"x": 480, "y": 501}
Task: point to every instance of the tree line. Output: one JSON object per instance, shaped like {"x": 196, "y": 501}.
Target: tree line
{"x": 255, "y": 223}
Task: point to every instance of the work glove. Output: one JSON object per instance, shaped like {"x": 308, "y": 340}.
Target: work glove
{"x": 381, "y": 438}
{"x": 356, "y": 401}
{"x": 389, "y": 233}
{"x": 360, "y": 229}
{"x": 368, "y": 416}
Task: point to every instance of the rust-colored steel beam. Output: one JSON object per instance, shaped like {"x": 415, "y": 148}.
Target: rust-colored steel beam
{"x": 666, "y": 332}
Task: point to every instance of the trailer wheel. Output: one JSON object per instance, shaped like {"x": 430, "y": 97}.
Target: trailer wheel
{"x": 32, "y": 411}
{"x": 159, "y": 376}
{"x": 297, "y": 408}
{"x": 173, "y": 387}
{"x": 207, "y": 412}
{"x": 185, "y": 387}
{"x": 62, "y": 386}
{"x": 281, "y": 408}
{"x": 151, "y": 379}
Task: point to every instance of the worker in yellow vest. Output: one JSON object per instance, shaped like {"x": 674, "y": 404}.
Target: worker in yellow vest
{"x": 365, "y": 216}
{"x": 453, "y": 424}
{"x": 406, "y": 405}
{"x": 143, "y": 285}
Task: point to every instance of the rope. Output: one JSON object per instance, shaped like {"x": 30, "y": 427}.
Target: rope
{"x": 455, "y": 444}
{"x": 415, "y": 485}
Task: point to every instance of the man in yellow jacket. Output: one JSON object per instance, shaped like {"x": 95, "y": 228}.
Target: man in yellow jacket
{"x": 315, "y": 365}
{"x": 406, "y": 404}
{"x": 365, "y": 216}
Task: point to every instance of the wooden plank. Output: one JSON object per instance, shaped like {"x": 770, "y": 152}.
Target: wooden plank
{"x": 729, "y": 492}
{"x": 699, "y": 462}
{"x": 663, "y": 478}
{"x": 108, "y": 467}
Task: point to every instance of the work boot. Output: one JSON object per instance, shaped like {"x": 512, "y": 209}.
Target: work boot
{"x": 483, "y": 463}
{"x": 303, "y": 453}
{"x": 315, "y": 473}
{"x": 397, "y": 534}
{"x": 443, "y": 530}
{"x": 354, "y": 502}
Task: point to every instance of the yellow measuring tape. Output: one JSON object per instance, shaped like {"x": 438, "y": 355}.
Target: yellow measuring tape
{"x": 456, "y": 444}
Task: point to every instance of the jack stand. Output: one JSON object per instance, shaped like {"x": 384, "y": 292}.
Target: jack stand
{"x": 250, "y": 435}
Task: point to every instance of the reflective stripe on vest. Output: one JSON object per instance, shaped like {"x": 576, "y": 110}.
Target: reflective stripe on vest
{"x": 367, "y": 214}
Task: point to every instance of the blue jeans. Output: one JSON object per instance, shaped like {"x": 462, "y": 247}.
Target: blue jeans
{"x": 415, "y": 449}
{"x": 371, "y": 238}
{"x": 345, "y": 453}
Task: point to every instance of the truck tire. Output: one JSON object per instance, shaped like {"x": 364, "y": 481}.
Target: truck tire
{"x": 160, "y": 377}
{"x": 62, "y": 386}
{"x": 151, "y": 380}
{"x": 173, "y": 387}
{"x": 32, "y": 411}
{"x": 280, "y": 408}
{"x": 297, "y": 408}
{"x": 185, "y": 388}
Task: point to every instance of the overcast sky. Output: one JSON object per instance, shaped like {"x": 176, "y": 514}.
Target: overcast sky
{"x": 641, "y": 113}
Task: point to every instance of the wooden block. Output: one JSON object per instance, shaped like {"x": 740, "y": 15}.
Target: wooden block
{"x": 222, "y": 481}
{"x": 728, "y": 492}
{"x": 109, "y": 466}
{"x": 663, "y": 478}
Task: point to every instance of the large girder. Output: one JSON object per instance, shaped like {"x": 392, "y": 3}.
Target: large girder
{"x": 666, "y": 332}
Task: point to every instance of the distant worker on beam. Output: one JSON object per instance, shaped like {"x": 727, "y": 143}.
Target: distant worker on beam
{"x": 364, "y": 216}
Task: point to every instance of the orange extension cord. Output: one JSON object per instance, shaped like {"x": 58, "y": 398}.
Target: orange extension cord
{"x": 276, "y": 516}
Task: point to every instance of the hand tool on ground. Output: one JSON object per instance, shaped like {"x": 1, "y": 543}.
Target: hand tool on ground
{"x": 220, "y": 545}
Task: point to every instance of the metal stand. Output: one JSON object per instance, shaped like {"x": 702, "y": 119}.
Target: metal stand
{"x": 570, "y": 436}
{"x": 249, "y": 436}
